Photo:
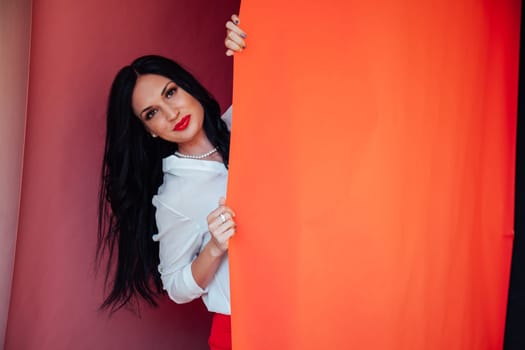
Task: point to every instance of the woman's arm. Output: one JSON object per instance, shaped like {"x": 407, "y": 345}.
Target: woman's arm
{"x": 180, "y": 239}
{"x": 222, "y": 227}
{"x": 185, "y": 273}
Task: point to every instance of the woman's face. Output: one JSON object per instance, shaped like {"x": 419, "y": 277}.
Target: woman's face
{"x": 167, "y": 110}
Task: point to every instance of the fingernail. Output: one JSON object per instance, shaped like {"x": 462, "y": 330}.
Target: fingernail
{"x": 244, "y": 47}
{"x": 243, "y": 35}
{"x": 236, "y": 21}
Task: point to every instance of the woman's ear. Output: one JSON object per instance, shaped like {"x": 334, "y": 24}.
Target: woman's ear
{"x": 149, "y": 131}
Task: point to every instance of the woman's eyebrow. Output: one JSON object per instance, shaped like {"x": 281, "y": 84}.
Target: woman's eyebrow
{"x": 165, "y": 87}
{"x": 144, "y": 110}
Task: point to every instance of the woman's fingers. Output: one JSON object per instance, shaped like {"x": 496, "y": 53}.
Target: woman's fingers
{"x": 224, "y": 230}
{"x": 225, "y": 221}
{"x": 216, "y": 214}
{"x": 237, "y": 44}
{"x": 228, "y": 234}
{"x": 222, "y": 241}
{"x": 221, "y": 233}
{"x": 222, "y": 208}
{"x": 236, "y": 29}
{"x": 221, "y": 222}
{"x": 234, "y": 36}
{"x": 232, "y": 46}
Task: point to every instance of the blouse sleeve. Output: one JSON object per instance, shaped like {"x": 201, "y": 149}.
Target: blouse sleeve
{"x": 227, "y": 117}
{"x": 180, "y": 240}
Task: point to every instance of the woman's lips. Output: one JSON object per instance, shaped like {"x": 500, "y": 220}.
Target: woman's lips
{"x": 183, "y": 124}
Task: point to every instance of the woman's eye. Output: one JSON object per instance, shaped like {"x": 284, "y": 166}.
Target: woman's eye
{"x": 171, "y": 92}
{"x": 150, "y": 114}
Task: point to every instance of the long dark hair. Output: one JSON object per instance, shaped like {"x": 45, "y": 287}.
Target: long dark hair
{"x": 131, "y": 175}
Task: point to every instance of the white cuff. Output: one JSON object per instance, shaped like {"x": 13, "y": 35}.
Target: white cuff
{"x": 192, "y": 289}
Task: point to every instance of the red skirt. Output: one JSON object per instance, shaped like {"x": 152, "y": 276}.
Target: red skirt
{"x": 221, "y": 333}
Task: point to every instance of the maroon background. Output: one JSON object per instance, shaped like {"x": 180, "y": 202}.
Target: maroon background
{"x": 76, "y": 49}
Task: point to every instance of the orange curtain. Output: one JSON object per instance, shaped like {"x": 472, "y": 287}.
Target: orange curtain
{"x": 372, "y": 173}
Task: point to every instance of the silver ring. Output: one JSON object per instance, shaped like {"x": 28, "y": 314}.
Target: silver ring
{"x": 223, "y": 218}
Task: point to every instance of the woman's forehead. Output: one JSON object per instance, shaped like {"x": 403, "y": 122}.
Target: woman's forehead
{"x": 148, "y": 88}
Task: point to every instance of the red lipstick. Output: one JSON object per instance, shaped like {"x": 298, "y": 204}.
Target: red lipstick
{"x": 183, "y": 124}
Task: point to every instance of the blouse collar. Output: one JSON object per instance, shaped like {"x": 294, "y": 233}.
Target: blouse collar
{"x": 173, "y": 163}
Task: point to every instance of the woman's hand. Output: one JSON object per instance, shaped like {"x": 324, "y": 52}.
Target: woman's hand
{"x": 235, "y": 36}
{"x": 221, "y": 227}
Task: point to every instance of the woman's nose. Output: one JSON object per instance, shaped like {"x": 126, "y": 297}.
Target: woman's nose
{"x": 171, "y": 112}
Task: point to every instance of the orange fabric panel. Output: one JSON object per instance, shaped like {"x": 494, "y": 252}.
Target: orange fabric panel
{"x": 372, "y": 173}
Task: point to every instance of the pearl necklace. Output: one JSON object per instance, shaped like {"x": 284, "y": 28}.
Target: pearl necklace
{"x": 199, "y": 156}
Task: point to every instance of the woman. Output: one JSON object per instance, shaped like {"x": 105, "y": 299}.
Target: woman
{"x": 162, "y": 207}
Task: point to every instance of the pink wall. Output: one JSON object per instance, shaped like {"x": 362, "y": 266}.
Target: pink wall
{"x": 15, "y": 25}
{"x": 77, "y": 48}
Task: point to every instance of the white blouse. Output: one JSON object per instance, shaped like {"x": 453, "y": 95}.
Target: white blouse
{"x": 190, "y": 191}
